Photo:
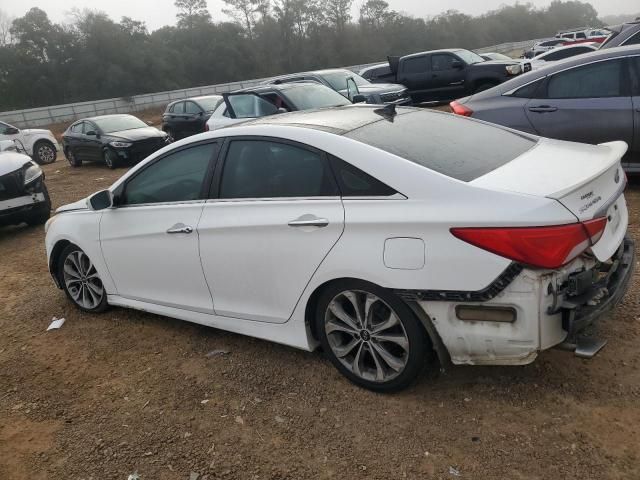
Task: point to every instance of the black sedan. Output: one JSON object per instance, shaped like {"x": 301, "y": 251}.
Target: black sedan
{"x": 187, "y": 117}
{"x": 112, "y": 139}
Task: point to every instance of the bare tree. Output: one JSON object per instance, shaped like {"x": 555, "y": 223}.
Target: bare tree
{"x": 338, "y": 13}
{"x": 191, "y": 12}
{"x": 244, "y": 12}
{"x": 5, "y": 28}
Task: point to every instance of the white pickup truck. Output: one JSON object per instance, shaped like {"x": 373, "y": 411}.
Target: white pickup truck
{"x": 39, "y": 144}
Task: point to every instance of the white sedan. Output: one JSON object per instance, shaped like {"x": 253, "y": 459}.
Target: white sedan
{"x": 38, "y": 143}
{"x": 380, "y": 235}
{"x": 559, "y": 53}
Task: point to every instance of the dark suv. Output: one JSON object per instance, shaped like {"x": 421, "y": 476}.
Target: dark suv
{"x": 187, "y": 117}
{"x": 622, "y": 35}
{"x": 336, "y": 79}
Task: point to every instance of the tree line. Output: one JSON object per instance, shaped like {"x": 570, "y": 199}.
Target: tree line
{"x": 92, "y": 56}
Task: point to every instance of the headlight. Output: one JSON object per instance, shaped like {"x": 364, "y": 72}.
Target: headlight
{"x": 31, "y": 173}
{"x": 121, "y": 144}
{"x": 514, "y": 69}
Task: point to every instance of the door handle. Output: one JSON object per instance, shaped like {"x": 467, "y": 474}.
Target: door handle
{"x": 309, "y": 222}
{"x": 180, "y": 228}
{"x": 543, "y": 109}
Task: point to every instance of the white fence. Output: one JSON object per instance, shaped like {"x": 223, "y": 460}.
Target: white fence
{"x": 42, "y": 116}
{"x": 37, "y": 117}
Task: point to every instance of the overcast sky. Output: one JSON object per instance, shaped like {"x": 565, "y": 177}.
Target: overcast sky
{"x": 157, "y": 13}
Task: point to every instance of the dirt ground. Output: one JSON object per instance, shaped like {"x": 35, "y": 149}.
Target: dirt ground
{"x": 123, "y": 392}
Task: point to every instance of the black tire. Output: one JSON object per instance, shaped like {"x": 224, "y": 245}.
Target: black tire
{"x": 40, "y": 215}
{"x": 413, "y": 331}
{"x": 44, "y": 152}
{"x": 72, "y": 158}
{"x": 101, "y": 305}
{"x": 110, "y": 158}
{"x": 481, "y": 87}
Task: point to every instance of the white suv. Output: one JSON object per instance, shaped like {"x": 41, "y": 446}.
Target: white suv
{"x": 39, "y": 144}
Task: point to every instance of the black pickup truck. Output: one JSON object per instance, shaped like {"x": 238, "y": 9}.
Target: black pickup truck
{"x": 440, "y": 75}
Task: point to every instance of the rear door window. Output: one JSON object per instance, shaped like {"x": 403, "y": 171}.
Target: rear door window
{"x": 457, "y": 147}
{"x": 178, "y": 108}
{"x": 266, "y": 169}
{"x": 414, "y": 65}
{"x": 596, "y": 80}
{"x": 191, "y": 108}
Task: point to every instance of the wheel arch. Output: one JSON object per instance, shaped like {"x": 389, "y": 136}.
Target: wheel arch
{"x": 429, "y": 328}
{"x": 55, "y": 257}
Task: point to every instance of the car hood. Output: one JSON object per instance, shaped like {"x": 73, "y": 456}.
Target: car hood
{"x": 12, "y": 161}
{"x": 79, "y": 205}
{"x": 36, "y": 131}
{"x": 137, "y": 134}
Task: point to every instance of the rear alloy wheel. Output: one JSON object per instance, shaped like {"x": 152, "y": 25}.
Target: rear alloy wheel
{"x": 44, "y": 152}
{"x": 111, "y": 159}
{"x": 74, "y": 161}
{"x": 81, "y": 281}
{"x": 371, "y": 336}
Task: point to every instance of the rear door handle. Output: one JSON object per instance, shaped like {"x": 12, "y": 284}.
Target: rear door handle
{"x": 309, "y": 222}
{"x": 180, "y": 228}
{"x": 543, "y": 109}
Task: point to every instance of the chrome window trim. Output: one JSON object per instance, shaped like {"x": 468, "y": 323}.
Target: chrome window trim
{"x": 161, "y": 204}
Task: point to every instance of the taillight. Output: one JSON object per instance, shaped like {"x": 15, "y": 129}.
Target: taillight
{"x": 543, "y": 247}
{"x": 460, "y": 109}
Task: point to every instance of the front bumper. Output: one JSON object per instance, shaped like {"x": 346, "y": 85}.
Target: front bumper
{"x": 580, "y": 311}
{"x": 140, "y": 150}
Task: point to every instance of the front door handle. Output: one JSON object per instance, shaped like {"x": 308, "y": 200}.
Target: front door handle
{"x": 305, "y": 221}
{"x": 543, "y": 109}
{"x": 180, "y": 228}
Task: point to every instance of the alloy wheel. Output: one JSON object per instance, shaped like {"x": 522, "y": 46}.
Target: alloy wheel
{"x": 82, "y": 280}
{"x": 46, "y": 153}
{"x": 366, "y": 335}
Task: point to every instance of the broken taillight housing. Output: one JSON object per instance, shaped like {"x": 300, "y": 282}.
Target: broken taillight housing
{"x": 542, "y": 247}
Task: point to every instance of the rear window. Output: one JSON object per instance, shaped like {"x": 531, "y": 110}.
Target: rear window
{"x": 457, "y": 147}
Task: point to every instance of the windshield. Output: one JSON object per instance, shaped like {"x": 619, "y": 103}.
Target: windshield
{"x": 338, "y": 80}
{"x": 309, "y": 97}
{"x": 120, "y": 123}
{"x": 209, "y": 104}
{"x": 469, "y": 57}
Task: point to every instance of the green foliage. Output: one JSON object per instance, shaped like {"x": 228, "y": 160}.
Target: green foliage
{"x": 43, "y": 63}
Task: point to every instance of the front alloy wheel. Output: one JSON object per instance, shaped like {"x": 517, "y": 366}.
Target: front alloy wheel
{"x": 372, "y": 337}
{"x": 44, "y": 152}
{"x": 81, "y": 280}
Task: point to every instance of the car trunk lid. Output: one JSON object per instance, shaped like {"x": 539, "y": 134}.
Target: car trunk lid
{"x": 586, "y": 179}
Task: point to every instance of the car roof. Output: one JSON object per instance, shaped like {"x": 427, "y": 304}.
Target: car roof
{"x": 195, "y": 99}
{"x": 312, "y": 72}
{"x": 569, "y": 47}
{"x": 577, "y": 60}
{"x": 100, "y": 117}
{"x": 276, "y": 86}
{"x": 338, "y": 120}
{"x": 442, "y": 50}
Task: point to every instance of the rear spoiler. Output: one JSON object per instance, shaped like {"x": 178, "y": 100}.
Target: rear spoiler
{"x": 394, "y": 61}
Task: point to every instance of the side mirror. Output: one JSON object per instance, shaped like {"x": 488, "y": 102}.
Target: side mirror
{"x": 457, "y": 64}
{"x": 12, "y": 131}
{"x": 101, "y": 200}
{"x": 359, "y": 98}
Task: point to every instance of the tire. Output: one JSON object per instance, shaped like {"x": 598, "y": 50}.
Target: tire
{"x": 385, "y": 354}
{"x": 81, "y": 281}
{"x": 481, "y": 87}
{"x": 73, "y": 160}
{"x": 43, "y": 213}
{"x": 110, "y": 158}
{"x": 44, "y": 152}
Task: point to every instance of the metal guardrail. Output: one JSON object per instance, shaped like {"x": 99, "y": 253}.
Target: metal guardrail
{"x": 42, "y": 116}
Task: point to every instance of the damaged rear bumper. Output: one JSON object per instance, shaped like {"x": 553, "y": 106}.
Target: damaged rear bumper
{"x": 581, "y": 310}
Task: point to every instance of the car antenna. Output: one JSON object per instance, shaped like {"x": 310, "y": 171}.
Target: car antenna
{"x": 388, "y": 112}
